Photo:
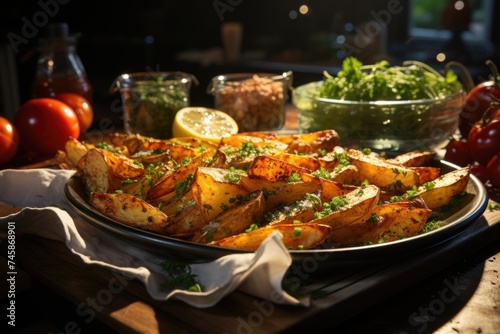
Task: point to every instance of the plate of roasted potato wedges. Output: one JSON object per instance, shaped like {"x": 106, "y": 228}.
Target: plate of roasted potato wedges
{"x": 197, "y": 200}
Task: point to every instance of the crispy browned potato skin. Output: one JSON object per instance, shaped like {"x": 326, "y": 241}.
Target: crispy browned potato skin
{"x": 294, "y": 236}
{"x": 129, "y": 210}
{"x": 445, "y": 187}
{"x": 393, "y": 222}
{"x": 382, "y": 173}
{"x": 273, "y": 169}
{"x": 416, "y": 158}
{"x": 233, "y": 221}
{"x": 360, "y": 201}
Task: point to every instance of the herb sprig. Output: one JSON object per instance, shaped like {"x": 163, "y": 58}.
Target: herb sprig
{"x": 179, "y": 276}
{"x": 412, "y": 80}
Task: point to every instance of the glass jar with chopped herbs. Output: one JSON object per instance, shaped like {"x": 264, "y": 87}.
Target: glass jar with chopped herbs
{"x": 151, "y": 100}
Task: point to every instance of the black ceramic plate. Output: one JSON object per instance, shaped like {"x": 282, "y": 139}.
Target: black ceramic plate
{"x": 473, "y": 207}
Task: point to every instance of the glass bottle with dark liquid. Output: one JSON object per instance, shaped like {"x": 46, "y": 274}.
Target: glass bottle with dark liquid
{"x": 59, "y": 68}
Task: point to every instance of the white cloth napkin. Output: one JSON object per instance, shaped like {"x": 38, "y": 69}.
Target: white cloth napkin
{"x": 40, "y": 192}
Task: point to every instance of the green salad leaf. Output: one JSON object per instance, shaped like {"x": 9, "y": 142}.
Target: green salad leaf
{"x": 413, "y": 80}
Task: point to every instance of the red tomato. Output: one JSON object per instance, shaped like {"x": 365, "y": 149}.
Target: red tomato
{"x": 484, "y": 141}
{"x": 45, "y": 124}
{"x": 457, "y": 152}
{"x": 480, "y": 172}
{"x": 80, "y": 106}
{"x": 9, "y": 141}
{"x": 478, "y": 100}
{"x": 493, "y": 168}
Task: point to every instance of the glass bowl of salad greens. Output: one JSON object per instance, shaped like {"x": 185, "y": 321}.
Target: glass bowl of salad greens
{"x": 398, "y": 108}
{"x": 151, "y": 100}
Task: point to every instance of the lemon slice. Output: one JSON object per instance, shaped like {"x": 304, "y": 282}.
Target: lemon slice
{"x": 203, "y": 123}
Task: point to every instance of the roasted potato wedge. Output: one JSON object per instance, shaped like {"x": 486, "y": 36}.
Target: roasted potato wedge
{"x": 215, "y": 190}
{"x": 427, "y": 174}
{"x": 280, "y": 192}
{"x": 386, "y": 222}
{"x": 416, "y": 158}
{"x": 329, "y": 188}
{"x": 186, "y": 222}
{"x": 234, "y": 220}
{"x": 382, "y": 173}
{"x": 303, "y": 161}
{"x": 345, "y": 209}
{"x": 272, "y": 169}
{"x": 75, "y": 150}
{"x": 307, "y": 143}
{"x": 96, "y": 175}
{"x": 295, "y": 236}
{"x": 166, "y": 184}
{"x": 130, "y": 210}
{"x": 240, "y": 150}
{"x": 302, "y": 211}
{"x": 444, "y": 188}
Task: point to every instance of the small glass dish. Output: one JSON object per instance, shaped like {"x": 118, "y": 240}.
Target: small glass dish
{"x": 256, "y": 101}
{"x": 151, "y": 100}
{"x": 380, "y": 125}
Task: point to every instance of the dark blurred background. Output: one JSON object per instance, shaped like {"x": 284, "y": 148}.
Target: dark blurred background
{"x": 306, "y": 36}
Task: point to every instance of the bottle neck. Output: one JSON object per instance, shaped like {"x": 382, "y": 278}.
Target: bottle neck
{"x": 66, "y": 45}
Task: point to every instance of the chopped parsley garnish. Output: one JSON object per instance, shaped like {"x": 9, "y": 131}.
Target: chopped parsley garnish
{"x": 493, "y": 207}
{"x": 334, "y": 205}
{"x": 343, "y": 160}
{"x": 373, "y": 218}
{"x": 252, "y": 227}
{"x": 321, "y": 173}
{"x": 247, "y": 149}
{"x": 108, "y": 147}
{"x": 431, "y": 225}
{"x": 294, "y": 177}
{"x": 234, "y": 175}
{"x": 366, "y": 151}
{"x": 408, "y": 195}
{"x": 455, "y": 201}
{"x": 429, "y": 185}
{"x": 179, "y": 276}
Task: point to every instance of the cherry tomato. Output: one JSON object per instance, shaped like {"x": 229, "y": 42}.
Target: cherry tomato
{"x": 493, "y": 168}
{"x": 478, "y": 100}
{"x": 484, "y": 141}
{"x": 81, "y": 106}
{"x": 9, "y": 141}
{"x": 457, "y": 152}
{"x": 45, "y": 124}
{"x": 481, "y": 172}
